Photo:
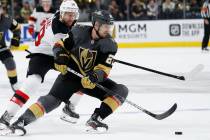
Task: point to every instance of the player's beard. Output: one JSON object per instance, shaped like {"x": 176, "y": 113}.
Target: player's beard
{"x": 69, "y": 23}
{"x": 104, "y": 34}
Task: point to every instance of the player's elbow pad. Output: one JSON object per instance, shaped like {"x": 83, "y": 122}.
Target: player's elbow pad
{"x": 101, "y": 75}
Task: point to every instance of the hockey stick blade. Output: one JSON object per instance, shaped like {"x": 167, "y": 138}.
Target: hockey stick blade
{"x": 195, "y": 71}
{"x": 165, "y": 114}
{"x": 181, "y": 78}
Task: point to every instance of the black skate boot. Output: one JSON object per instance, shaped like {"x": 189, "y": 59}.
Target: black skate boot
{"x": 205, "y": 49}
{"x": 4, "y": 120}
{"x": 95, "y": 124}
{"x": 69, "y": 114}
{"x": 17, "y": 128}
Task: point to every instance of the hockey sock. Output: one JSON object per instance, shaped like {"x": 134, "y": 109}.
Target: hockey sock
{"x": 16, "y": 102}
{"x": 31, "y": 85}
{"x": 108, "y": 106}
{"x": 12, "y": 75}
{"x": 34, "y": 112}
{"x": 11, "y": 69}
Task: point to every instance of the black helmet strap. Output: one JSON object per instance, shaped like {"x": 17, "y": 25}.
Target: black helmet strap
{"x": 97, "y": 31}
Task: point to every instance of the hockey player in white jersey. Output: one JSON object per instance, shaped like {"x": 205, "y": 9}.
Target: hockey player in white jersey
{"x": 42, "y": 60}
{"x": 39, "y": 16}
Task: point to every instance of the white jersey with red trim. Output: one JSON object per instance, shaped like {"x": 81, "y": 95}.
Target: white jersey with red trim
{"x": 39, "y": 17}
{"x": 51, "y": 32}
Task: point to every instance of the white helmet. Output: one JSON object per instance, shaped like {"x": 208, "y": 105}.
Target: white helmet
{"x": 49, "y": 1}
{"x": 69, "y": 6}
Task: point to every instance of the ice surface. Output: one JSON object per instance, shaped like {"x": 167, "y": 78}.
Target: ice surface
{"x": 151, "y": 91}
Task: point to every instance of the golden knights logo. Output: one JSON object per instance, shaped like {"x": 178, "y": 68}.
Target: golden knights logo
{"x": 87, "y": 58}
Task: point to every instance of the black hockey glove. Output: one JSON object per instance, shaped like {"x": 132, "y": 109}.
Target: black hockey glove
{"x": 90, "y": 80}
{"x": 61, "y": 61}
{"x": 15, "y": 42}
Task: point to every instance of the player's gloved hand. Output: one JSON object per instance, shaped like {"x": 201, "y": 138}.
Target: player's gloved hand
{"x": 31, "y": 29}
{"x": 90, "y": 80}
{"x": 61, "y": 61}
{"x": 15, "y": 42}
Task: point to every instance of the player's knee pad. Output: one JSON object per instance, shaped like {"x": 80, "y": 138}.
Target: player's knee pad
{"x": 114, "y": 101}
{"x": 9, "y": 63}
{"x": 49, "y": 102}
{"x": 121, "y": 93}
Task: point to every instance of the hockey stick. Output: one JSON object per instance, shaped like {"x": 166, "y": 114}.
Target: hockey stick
{"x": 28, "y": 51}
{"x": 156, "y": 116}
{"x": 151, "y": 70}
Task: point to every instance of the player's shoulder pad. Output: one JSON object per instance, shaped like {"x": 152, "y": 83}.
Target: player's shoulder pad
{"x": 108, "y": 45}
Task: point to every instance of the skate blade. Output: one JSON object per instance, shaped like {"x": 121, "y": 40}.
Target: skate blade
{"x": 19, "y": 132}
{"x": 3, "y": 126}
{"x": 9, "y": 132}
{"x": 69, "y": 119}
{"x": 6, "y": 132}
{"x": 99, "y": 130}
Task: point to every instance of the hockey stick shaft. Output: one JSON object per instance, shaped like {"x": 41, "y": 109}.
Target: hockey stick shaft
{"x": 156, "y": 116}
{"x": 4, "y": 49}
{"x": 150, "y": 70}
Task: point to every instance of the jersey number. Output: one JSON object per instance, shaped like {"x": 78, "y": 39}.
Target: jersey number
{"x": 109, "y": 60}
{"x": 40, "y": 36}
